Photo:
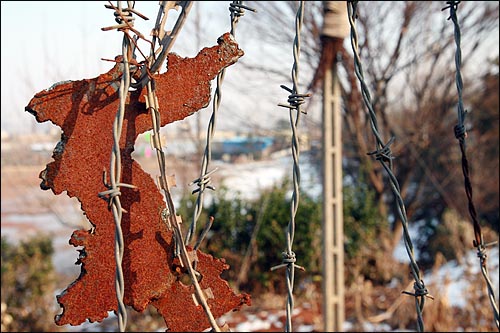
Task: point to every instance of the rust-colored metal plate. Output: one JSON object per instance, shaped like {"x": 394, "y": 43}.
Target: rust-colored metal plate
{"x": 85, "y": 111}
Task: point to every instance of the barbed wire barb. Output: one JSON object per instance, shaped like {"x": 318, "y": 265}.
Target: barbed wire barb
{"x": 236, "y": 9}
{"x": 384, "y": 155}
{"x": 461, "y": 134}
{"x": 125, "y": 20}
{"x": 172, "y": 219}
{"x": 295, "y": 100}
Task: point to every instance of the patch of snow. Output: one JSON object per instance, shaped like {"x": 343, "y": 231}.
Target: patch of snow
{"x": 252, "y": 324}
{"x": 250, "y": 178}
{"x": 451, "y": 278}
{"x": 400, "y": 253}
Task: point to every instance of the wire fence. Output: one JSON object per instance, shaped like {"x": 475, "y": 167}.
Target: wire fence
{"x": 384, "y": 155}
{"x": 161, "y": 43}
{"x": 125, "y": 20}
{"x": 461, "y": 134}
{"x": 295, "y": 100}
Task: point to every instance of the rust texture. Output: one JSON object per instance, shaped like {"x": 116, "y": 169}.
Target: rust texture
{"x": 85, "y": 111}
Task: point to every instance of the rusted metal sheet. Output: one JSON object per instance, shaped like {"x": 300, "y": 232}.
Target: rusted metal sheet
{"x": 85, "y": 111}
{"x": 178, "y": 307}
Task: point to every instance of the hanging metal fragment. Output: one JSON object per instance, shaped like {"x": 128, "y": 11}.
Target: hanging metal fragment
{"x": 84, "y": 110}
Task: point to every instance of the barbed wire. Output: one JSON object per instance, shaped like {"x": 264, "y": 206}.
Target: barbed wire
{"x": 236, "y": 9}
{"x": 169, "y": 215}
{"x": 295, "y": 100}
{"x": 149, "y": 66}
{"x": 165, "y": 39}
{"x": 461, "y": 134}
{"x": 384, "y": 155}
{"x": 125, "y": 20}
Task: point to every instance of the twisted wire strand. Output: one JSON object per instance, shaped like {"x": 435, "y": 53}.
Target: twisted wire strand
{"x": 169, "y": 215}
{"x": 295, "y": 100}
{"x": 166, "y": 40}
{"x": 173, "y": 221}
{"x": 384, "y": 155}
{"x": 125, "y": 20}
{"x": 117, "y": 209}
{"x": 236, "y": 9}
{"x": 461, "y": 134}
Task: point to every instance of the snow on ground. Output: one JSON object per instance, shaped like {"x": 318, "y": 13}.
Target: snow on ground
{"x": 247, "y": 179}
{"x": 452, "y": 278}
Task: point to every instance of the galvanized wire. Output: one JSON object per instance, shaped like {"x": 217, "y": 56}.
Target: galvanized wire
{"x": 125, "y": 20}
{"x": 384, "y": 155}
{"x": 295, "y": 100}
{"x": 166, "y": 39}
{"x": 461, "y": 134}
{"x": 169, "y": 215}
{"x": 236, "y": 9}
{"x": 173, "y": 221}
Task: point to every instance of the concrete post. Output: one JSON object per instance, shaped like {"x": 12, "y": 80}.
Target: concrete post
{"x": 333, "y": 226}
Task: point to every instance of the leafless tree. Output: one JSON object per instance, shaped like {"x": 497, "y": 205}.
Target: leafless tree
{"x": 407, "y": 51}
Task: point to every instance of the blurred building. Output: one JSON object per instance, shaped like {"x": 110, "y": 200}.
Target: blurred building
{"x": 251, "y": 147}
